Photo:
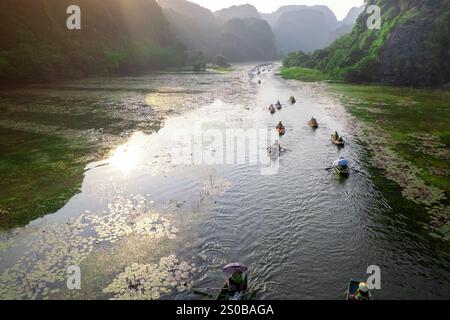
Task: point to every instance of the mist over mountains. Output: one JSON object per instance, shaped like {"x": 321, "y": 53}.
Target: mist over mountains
{"x": 259, "y": 36}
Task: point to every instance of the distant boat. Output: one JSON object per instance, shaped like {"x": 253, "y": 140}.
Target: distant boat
{"x": 338, "y": 142}
{"x": 313, "y": 123}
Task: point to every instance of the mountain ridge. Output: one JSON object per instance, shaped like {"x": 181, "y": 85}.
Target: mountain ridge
{"x": 410, "y": 49}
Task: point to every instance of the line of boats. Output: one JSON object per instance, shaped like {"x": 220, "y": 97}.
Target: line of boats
{"x": 340, "y": 166}
{"x": 236, "y": 284}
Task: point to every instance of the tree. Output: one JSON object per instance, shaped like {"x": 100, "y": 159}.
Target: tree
{"x": 221, "y": 61}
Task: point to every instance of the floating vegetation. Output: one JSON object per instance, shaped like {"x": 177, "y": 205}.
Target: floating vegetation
{"x": 151, "y": 281}
{"x": 440, "y": 222}
{"x": 439, "y": 171}
{"x": 215, "y": 187}
{"x": 430, "y": 145}
{"x": 50, "y": 249}
{"x": 385, "y": 135}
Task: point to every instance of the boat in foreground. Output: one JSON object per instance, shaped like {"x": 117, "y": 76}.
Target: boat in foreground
{"x": 226, "y": 294}
{"x": 342, "y": 171}
{"x": 353, "y": 287}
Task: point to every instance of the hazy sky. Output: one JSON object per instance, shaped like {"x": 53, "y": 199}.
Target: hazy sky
{"x": 340, "y": 7}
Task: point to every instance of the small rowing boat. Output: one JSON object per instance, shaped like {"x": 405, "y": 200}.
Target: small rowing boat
{"x": 281, "y": 131}
{"x": 353, "y": 287}
{"x": 227, "y": 294}
{"x": 313, "y": 124}
{"x": 338, "y": 142}
{"x": 342, "y": 171}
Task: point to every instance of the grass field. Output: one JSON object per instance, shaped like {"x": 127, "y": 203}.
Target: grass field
{"x": 303, "y": 74}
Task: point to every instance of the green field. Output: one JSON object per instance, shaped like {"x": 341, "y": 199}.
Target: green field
{"x": 303, "y": 74}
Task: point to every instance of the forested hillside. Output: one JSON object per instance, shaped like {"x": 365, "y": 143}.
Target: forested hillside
{"x": 411, "y": 48}
{"x": 116, "y": 37}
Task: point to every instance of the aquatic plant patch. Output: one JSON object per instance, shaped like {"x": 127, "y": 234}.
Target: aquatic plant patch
{"x": 48, "y": 250}
{"x": 151, "y": 281}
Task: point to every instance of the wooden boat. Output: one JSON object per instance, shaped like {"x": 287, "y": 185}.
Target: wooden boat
{"x": 313, "y": 124}
{"x": 342, "y": 171}
{"x": 337, "y": 141}
{"x": 226, "y": 294}
{"x": 353, "y": 287}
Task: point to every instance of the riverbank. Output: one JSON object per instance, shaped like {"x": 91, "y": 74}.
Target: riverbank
{"x": 303, "y": 74}
{"x": 406, "y": 131}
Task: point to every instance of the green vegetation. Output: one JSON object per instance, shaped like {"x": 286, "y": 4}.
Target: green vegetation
{"x": 222, "y": 69}
{"x": 407, "y": 132}
{"x": 39, "y": 174}
{"x": 221, "y": 61}
{"x": 48, "y": 136}
{"x": 115, "y": 39}
{"x": 411, "y": 48}
{"x": 303, "y": 74}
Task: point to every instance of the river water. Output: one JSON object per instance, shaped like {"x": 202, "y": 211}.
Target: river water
{"x": 155, "y": 210}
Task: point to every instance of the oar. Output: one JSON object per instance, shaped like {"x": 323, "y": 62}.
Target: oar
{"x": 202, "y": 294}
{"x": 200, "y": 291}
{"x": 357, "y": 171}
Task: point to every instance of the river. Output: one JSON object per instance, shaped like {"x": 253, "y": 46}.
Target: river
{"x": 152, "y": 210}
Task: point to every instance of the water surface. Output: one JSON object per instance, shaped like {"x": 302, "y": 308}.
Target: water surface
{"x": 148, "y": 210}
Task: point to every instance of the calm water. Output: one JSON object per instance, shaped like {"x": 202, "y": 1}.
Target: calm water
{"x": 302, "y": 231}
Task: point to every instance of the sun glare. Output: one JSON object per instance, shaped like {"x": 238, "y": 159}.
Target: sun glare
{"x": 128, "y": 156}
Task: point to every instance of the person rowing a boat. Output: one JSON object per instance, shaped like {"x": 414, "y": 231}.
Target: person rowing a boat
{"x": 272, "y": 109}
{"x": 362, "y": 293}
{"x": 336, "y": 137}
{"x": 280, "y": 126}
{"x": 341, "y": 163}
{"x": 236, "y": 282}
{"x": 278, "y": 103}
{"x": 292, "y": 100}
{"x": 276, "y": 149}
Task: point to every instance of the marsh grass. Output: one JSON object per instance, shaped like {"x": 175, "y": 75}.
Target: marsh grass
{"x": 303, "y": 74}
{"x": 407, "y": 131}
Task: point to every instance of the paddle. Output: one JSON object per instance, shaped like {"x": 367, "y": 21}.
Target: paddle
{"x": 200, "y": 291}
{"x": 357, "y": 171}
{"x": 202, "y": 294}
